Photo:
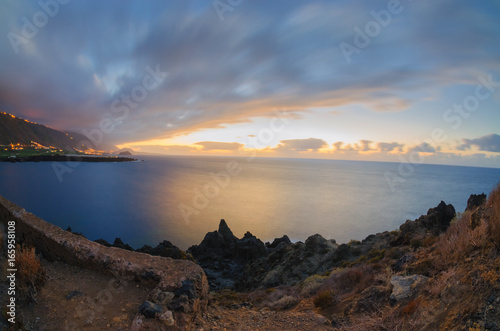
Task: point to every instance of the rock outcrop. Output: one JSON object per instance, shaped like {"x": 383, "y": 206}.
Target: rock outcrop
{"x": 289, "y": 263}
{"x": 435, "y": 222}
{"x": 223, "y": 256}
{"x": 474, "y": 201}
{"x": 475, "y": 206}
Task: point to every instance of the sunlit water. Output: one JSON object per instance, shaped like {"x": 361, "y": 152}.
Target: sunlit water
{"x": 178, "y": 198}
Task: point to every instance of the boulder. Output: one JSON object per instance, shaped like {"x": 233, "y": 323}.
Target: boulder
{"x": 405, "y": 287}
{"x": 150, "y": 309}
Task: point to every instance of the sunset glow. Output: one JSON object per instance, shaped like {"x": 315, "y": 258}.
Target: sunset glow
{"x": 280, "y": 79}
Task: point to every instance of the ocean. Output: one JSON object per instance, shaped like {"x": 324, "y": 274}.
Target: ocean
{"x": 181, "y": 198}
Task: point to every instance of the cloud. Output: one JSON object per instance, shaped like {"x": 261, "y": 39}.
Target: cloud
{"x": 389, "y": 147}
{"x": 488, "y": 143}
{"x": 219, "y": 146}
{"x": 262, "y": 57}
{"x": 365, "y": 145}
{"x": 301, "y": 145}
{"x": 423, "y": 147}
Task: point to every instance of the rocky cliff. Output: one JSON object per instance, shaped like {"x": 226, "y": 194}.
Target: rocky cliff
{"x": 247, "y": 263}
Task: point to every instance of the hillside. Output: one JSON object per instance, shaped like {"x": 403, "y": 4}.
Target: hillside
{"x": 15, "y": 130}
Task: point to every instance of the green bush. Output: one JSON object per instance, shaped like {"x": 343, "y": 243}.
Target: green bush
{"x": 324, "y": 299}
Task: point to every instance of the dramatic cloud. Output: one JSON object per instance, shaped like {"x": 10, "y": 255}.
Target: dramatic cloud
{"x": 301, "y": 145}
{"x": 488, "y": 143}
{"x": 168, "y": 69}
{"x": 92, "y": 55}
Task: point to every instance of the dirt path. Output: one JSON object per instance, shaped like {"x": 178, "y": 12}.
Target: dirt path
{"x": 250, "y": 319}
{"x": 79, "y": 299}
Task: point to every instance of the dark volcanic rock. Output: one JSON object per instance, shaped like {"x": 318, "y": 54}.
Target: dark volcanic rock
{"x": 475, "y": 200}
{"x": 120, "y": 244}
{"x": 278, "y": 241}
{"x": 165, "y": 249}
{"x": 223, "y": 256}
{"x": 403, "y": 261}
{"x": 150, "y": 309}
{"x": 438, "y": 218}
{"x": 103, "y": 242}
{"x": 289, "y": 264}
{"x": 436, "y": 221}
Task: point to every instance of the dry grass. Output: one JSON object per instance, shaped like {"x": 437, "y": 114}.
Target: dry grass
{"x": 354, "y": 279}
{"x": 464, "y": 266}
{"x": 494, "y": 224}
{"x": 285, "y": 302}
{"x": 460, "y": 241}
{"x": 279, "y": 298}
{"x": 30, "y": 275}
{"x": 411, "y": 307}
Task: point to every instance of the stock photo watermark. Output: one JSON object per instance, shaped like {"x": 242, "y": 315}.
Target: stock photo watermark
{"x": 223, "y": 6}
{"x": 454, "y": 117}
{"x": 30, "y": 27}
{"x": 371, "y": 29}
{"x": 11, "y": 271}
{"x": 219, "y": 181}
{"x": 119, "y": 111}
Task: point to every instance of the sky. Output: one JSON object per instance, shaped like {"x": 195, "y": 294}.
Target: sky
{"x": 400, "y": 81}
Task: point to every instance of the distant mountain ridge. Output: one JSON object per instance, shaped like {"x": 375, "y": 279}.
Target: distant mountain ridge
{"x": 16, "y": 130}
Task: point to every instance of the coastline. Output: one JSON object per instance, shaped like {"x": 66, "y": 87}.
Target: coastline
{"x": 391, "y": 278}
{"x": 66, "y": 158}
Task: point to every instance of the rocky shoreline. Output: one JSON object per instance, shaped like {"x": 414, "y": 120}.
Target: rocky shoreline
{"x": 245, "y": 264}
{"x": 441, "y": 270}
{"x": 66, "y": 158}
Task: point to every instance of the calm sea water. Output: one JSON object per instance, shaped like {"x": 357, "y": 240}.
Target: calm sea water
{"x": 182, "y": 198}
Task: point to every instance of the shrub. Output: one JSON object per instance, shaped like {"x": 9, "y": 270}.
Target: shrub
{"x": 415, "y": 243}
{"x": 286, "y": 302}
{"x": 324, "y": 299}
{"x": 311, "y": 284}
{"x": 354, "y": 279}
{"x": 376, "y": 255}
{"x": 429, "y": 241}
{"x": 279, "y": 298}
{"x": 30, "y": 276}
{"x": 353, "y": 242}
{"x": 227, "y": 298}
{"x": 394, "y": 253}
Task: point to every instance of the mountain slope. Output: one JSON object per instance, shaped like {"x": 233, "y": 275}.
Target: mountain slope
{"x": 15, "y": 130}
